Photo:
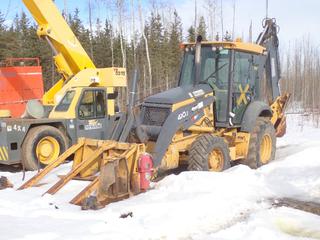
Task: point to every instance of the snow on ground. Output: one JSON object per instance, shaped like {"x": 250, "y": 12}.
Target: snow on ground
{"x": 231, "y": 205}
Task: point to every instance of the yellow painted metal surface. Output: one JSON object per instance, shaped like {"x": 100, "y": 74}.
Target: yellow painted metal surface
{"x": 266, "y": 149}
{"x": 47, "y": 150}
{"x": 241, "y": 46}
{"x": 243, "y": 95}
{"x": 71, "y": 112}
{"x": 70, "y": 56}
{"x": 48, "y": 97}
{"x": 105, "y": 77}
{"x": 71, "y": 60}
{"x": 5, "y": 113}
{"x": 278, "y": 118}
{"x": 4, "y": 153}
{"x": 216, "y": 160}
{"x": 182, "y": 104}
{"x": 90, "y": 158}
{"x": 99, "y": 77}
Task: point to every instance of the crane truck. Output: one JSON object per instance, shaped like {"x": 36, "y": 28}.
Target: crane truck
{"x": 227, "y": 108}
{"x": 81, "y": 104}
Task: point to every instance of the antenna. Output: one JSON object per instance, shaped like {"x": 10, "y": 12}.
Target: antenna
{"x": 221, "y": 12}
{"x": 234, "y": 17}
{"x": 250, "y": 32}
{"x": 267, "y": 8}
{"x": 195, "y": 17}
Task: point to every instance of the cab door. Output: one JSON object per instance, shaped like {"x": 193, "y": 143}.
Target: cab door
{"x": 91, "y": 111}
{"x": 243, "y": 85}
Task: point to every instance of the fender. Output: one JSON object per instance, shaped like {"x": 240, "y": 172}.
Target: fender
{"x": 254, "y": 110}
{"x": 177, "y": 120}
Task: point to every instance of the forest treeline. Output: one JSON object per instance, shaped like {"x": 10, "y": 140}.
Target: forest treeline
{"x": 156, "y": 53}
{"x": 107, "y": 47}
{"x": 301, "y": 78}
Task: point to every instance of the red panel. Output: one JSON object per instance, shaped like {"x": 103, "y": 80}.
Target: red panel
{"x": 18, "y": 85}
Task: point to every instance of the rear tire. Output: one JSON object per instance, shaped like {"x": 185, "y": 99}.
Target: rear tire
{"x": 262, "y": 144}
{"x": 209, "y": 153}
{"x": 42, "y": 145}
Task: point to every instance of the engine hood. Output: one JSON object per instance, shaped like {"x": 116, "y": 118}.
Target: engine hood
{"x": 179, "y": 94}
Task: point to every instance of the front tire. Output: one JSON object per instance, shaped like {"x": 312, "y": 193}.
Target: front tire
{"x": 42, "y": 145}
{"x": 262, "y": 144}
{"x": 209, "y": 153}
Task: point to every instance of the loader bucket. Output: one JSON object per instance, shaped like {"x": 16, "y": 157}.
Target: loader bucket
{"x": 279, "y": 118}
{"x": 109, "y": 166}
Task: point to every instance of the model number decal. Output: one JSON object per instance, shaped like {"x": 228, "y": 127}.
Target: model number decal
{"x": 183, "y": 115}
{"x": 198, "y": 93}
{"x": 197, "y": 107}
{"x": 17, "y": 128}
{"x": 93, "y": 124}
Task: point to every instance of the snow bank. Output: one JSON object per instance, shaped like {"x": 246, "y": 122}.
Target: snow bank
{"x": 234, "y": 204}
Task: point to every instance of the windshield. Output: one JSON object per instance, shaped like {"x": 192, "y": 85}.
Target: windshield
{"x": 214, "y": 67}
{"x": 64, "y": 104}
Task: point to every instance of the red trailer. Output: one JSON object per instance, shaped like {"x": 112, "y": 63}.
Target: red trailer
{"x": 20, "y": 80}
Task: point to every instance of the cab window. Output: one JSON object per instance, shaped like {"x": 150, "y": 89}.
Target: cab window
{"x": 243, "y": 84}
{"x": 242, "y": 69}
{"x": 64, "y": 104}
{"x": 214, "y": 67}
{"x": 92, "y": 104}
{"x": 100, "y": 103}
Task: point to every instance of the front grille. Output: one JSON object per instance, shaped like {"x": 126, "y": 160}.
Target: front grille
{"x": 155, "y": 116}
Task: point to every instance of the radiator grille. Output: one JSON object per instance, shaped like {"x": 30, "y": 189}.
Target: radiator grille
{"x": 155, "y": 116}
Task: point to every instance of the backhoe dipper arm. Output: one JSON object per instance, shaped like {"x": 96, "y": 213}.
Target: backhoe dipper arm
{"x": 70, "y": 57}
{"x": 269, "y": 39}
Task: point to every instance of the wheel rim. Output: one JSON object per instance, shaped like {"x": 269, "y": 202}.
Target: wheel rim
{"x": 216, "y": 160}
{"x": 265, "y": 149}
{"x": 47, "y": 150}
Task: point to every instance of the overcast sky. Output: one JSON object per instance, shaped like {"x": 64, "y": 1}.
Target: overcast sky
{"x": 296, "y": 18}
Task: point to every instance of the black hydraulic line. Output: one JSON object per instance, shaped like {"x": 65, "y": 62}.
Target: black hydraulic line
{"x": 197, "y": 61}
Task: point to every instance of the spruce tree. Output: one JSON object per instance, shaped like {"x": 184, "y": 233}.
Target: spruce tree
{"x": 202, "y": 28}
{"x": 191, "y": 34}
{"x": 79, "y": 30}
{"x": 2, "y": 37}
{"x": 174, "y": 47}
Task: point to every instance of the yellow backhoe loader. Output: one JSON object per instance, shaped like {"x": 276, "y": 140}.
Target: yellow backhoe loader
{"x": 226, "y": 109}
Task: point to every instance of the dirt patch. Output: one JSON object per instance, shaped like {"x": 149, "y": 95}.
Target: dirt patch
{"x": 311, "y": 207}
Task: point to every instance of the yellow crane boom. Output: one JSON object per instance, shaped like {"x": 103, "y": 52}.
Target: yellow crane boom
{"x": 70, "y": 57}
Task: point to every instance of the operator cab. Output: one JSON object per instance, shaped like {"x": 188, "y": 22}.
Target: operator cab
{"x": 232, "y": 71}
{"x": 85, "y": 103}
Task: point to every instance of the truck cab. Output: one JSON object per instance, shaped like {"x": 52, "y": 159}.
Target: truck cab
{"x": 82, "y": 112}
{"x": 233, "y": 71}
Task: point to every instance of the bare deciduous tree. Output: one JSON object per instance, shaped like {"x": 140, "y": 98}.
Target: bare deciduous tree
{"x": 90, "y": 28}
{"x": 146, "y": 46}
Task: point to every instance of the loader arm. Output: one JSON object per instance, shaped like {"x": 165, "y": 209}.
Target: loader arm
{"x": 69, "y": 56}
